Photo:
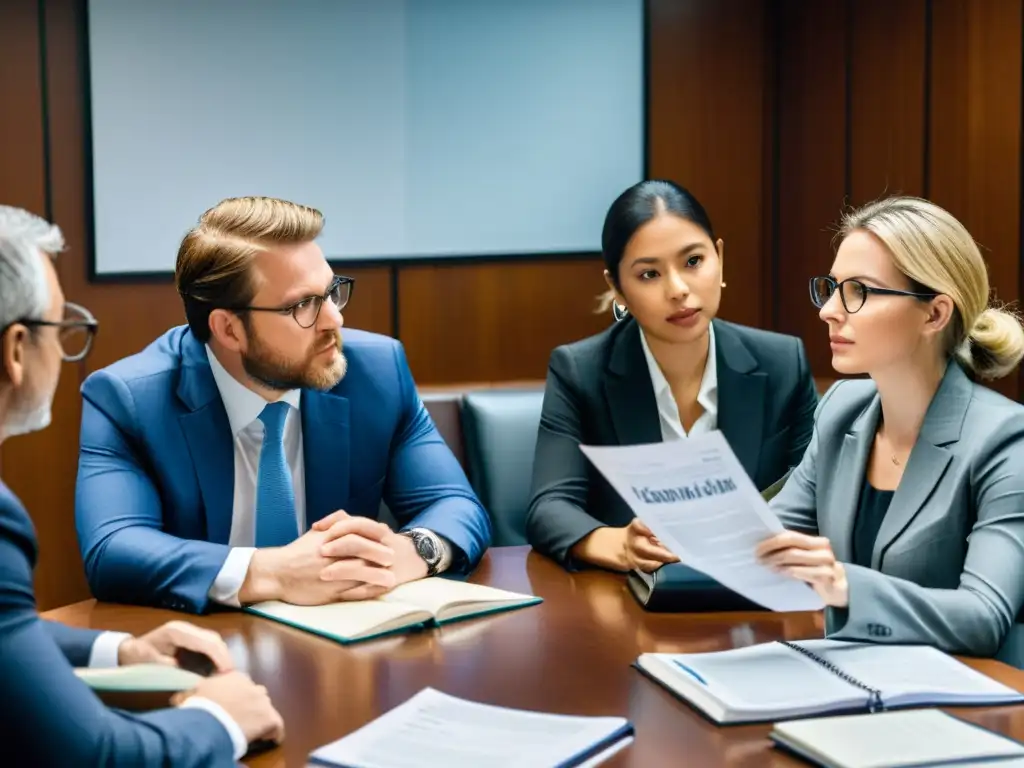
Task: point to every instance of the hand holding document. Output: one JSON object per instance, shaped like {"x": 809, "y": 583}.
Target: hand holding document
{"x": 698, "y": 500}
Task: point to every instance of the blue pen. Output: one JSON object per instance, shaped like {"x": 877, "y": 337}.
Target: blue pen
{"x": 690, "y": 671}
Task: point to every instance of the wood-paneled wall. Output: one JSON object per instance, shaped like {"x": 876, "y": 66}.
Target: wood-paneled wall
{"x": 880, "y": 97}
{"x": 775, "y": 113}
{"x": 707, "y": 123}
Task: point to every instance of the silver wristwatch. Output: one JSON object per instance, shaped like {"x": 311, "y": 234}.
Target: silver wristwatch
{"x": 432, "y": 548}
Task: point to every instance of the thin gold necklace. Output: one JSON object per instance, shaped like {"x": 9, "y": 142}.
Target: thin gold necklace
{"x": 892, "y": 454}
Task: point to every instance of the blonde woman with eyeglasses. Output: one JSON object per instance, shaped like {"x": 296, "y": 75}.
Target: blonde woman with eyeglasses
{"x": 906, "y": 514}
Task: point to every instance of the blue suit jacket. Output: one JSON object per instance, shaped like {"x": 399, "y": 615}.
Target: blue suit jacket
{"x": 47, "y": 715}
{"x": 156, "y": 470}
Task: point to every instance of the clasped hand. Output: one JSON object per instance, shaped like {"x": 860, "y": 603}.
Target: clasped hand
{"x": 340, "y": 558}
{"x": 809, "y": 559}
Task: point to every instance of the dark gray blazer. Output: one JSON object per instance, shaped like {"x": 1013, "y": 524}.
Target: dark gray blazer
{"x": 599, "y": 392}
{"x": 947, "y": 568}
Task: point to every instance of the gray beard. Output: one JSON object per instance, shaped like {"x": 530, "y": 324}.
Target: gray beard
{"x": 24, "y": 422}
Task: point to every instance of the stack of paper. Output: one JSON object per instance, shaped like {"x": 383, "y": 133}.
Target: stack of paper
{"x": 434, "y": 729}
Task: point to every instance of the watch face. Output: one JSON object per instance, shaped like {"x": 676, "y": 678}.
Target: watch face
{"x": 425, "y": 546}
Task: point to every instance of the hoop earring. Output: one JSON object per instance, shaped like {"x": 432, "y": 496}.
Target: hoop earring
{"x": 619, "y": 312}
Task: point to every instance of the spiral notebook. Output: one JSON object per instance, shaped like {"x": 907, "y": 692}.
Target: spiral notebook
{"x": 784, "y": 680}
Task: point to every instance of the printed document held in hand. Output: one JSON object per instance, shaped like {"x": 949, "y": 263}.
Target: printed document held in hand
{"x": 697, "y": 499}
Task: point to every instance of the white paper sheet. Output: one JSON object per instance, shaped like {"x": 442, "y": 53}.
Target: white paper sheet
{"x": 697, "y": 499}
{"x": 435, "y": 729}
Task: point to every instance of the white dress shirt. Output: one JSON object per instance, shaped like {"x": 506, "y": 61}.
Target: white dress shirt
{"x": 707, "y": 395}
{"x": 105, "y": 647}
{"x": 243, "y": 408}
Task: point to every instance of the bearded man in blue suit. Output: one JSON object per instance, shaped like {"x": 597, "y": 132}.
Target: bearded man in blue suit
{"x": 244, "y": 457}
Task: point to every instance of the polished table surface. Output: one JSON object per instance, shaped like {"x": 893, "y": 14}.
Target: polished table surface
{"x": 570, "y": 654}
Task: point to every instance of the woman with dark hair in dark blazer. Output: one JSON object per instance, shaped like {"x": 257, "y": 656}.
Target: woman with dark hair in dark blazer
{"x": 666, "y": 370}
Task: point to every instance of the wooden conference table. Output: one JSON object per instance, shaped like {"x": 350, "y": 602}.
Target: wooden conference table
{"x": 569, "y": 654}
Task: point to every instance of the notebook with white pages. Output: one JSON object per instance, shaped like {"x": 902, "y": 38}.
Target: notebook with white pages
{"x": 417, "y": 604}
{"x": 783, "y": 680}
{"x": 139, "y": 677}
{"x": 138, "y": 687}
{"x": 908, "y": 739}
{"x": 436, "y": 729}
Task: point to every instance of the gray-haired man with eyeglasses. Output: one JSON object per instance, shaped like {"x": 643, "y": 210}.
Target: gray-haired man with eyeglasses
{"x": 53, "y": 718}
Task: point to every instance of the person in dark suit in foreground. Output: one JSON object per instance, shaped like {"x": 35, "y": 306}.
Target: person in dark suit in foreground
{"x": 48, "y": 716}
{"x": 907, "y": 511}
{"x": 666, "y": 370}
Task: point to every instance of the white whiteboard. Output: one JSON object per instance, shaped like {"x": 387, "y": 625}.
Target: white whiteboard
{"x": 421, "y": 128}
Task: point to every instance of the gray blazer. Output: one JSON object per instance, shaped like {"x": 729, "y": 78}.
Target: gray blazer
{"x": 947, "y": 568}
{"x": 599, "y": 392}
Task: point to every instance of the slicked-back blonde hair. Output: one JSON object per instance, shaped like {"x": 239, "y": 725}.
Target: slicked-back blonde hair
{"x": 932, "y": 248}
{"x": 214, "y": 267}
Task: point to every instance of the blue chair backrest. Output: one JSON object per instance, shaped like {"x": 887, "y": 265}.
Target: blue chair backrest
{"x": 500, "y": 431}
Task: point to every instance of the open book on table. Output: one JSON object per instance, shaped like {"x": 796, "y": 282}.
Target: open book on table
{"x": 782, "y": 680}
{"x": 427, "y": 602}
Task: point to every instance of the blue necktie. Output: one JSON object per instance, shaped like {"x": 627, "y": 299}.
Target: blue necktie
{"x": 276, "y": 522}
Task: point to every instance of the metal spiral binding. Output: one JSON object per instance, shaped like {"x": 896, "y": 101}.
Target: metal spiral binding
{"x": 875, "y": 703}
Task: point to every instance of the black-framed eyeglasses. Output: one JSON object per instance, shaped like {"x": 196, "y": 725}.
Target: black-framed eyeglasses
{"x": 77, "y": 330}
{"x": 853, "y": 293}
{"x": 307, "y": 310}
